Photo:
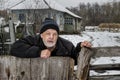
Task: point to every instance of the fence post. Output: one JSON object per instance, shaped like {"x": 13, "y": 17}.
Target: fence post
{"x": 83, "y": 63}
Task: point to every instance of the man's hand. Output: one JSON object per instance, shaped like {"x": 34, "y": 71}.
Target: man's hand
{"x": 86, "y": 44}
{"x": 45, "y": 53}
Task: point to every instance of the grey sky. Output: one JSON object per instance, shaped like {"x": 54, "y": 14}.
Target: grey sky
{"x": 74, "y": 3}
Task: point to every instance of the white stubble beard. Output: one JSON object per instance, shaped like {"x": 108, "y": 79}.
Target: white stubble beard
{"x": 49, "y": 45}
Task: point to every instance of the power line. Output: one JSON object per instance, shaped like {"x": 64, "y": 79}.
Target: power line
{"x": 47, "y": 4}
{"x": 16, "y": 4}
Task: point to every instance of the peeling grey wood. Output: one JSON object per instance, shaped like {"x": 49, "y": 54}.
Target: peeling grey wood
{"x": 7, "y": 68}
{"x": 83, "y": 63}
{"x": 105, "y": 77}
{"x": 3, "y": 73}
{"x": 53, "y": 68}
{"x": 39, "y": 69}
{"x": 115, "y": 66}
{"x": 23, "y": 69}
{"x": 71, "y": 75}
{"x": 106, "y": 51}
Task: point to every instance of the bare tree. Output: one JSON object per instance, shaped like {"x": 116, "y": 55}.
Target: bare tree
{"x": 94, "y": 14}
{"x": 3, "y": 11}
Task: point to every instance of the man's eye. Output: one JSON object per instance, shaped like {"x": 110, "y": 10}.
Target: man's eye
{"x": 47, "y": 33}
{"x": 55, "y": 34}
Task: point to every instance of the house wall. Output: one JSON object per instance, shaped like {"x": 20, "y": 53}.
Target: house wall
{"x": 79, "y": 25}
{"x": 38, "y": 16}
{"x": 60, "y": 20}
{"x": 69, "y": 23}
{"x": 72, "y": 24}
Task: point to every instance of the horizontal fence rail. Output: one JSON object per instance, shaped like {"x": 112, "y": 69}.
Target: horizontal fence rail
{"x": 106, "y": 51}
{"x": 102, "y": 68}
{"x": 115, "y": 66}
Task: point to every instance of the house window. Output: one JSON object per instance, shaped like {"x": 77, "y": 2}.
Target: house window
{"x": 69, "y": 21}
{"x": 22, "y": 17}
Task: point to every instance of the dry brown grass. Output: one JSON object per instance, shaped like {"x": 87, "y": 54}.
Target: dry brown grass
{"x": 109, "y": 25}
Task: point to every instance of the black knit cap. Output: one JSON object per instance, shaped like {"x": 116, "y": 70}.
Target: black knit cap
{"x": 49, "y": 24}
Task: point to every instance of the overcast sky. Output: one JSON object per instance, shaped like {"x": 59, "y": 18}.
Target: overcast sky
{"x": 74, "y": 3}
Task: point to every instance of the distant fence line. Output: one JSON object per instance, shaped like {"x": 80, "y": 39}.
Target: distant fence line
{"x": 103, "y": 27}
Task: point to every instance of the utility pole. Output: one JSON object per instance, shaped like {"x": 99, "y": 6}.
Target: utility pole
{"x": 11, "y": 26}
{"x": 11, "y": 29}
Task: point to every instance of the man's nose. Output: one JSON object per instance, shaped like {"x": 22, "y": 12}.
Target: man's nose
{"x": 51, "y": 36}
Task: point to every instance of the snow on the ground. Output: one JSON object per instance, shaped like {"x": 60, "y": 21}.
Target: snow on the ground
{"x": 75, "y": 38}
{"x": 98, "y": 39}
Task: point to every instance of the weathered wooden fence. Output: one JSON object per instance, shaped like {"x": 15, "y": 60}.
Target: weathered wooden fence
{"x": 53, "y": 68}
{"x": 105, "y": 52}
{"x": 83, "y": 64}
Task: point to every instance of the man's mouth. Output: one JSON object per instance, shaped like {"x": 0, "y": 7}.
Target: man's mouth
{"x": 50, "y": 41}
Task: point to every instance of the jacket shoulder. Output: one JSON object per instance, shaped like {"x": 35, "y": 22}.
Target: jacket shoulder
{"x": 27, "y": 40}
{"x": 66, "y": 42}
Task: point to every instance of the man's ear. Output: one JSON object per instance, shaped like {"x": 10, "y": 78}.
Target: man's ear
{"x": 41, "y": 35}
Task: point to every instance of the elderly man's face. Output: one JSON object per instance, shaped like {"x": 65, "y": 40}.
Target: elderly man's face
{"x": 49, "y": 37}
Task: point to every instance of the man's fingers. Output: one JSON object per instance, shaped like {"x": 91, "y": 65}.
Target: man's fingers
{"x": 86, "y": 44}
{"x": 45, "y": 53}
{"x": 44, "y": 56}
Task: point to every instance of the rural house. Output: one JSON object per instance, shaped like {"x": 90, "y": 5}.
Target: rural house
{"x": 35, "y": 11}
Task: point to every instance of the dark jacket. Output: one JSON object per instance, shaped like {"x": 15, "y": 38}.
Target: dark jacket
{"x": 30, "y": 47}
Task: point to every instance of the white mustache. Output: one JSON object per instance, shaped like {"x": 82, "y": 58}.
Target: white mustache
{"x": 50, "y": 44}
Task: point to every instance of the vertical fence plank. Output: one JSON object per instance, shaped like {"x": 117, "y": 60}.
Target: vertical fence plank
{"x": 23, "y": 69}
{"x": 7, "y": 68}
{"x": 83, "y": 63}
{"x": 11, "y": 67}
{"x": 3, "y": 73}
{"x": 54, "y": 68}
{"x": 71, "y": 69}
{"x": 60, "y": 68}
{"x": 39, "y": 69}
